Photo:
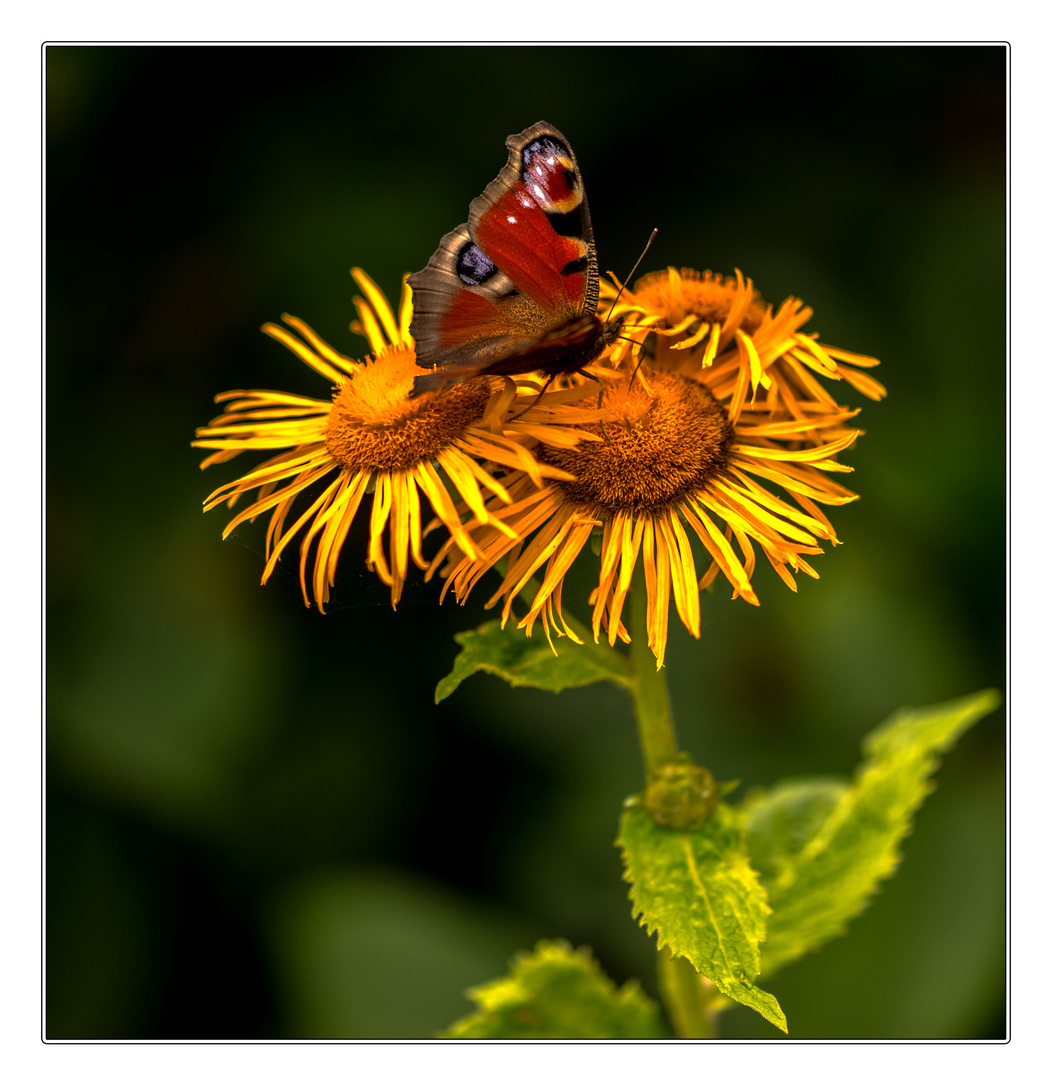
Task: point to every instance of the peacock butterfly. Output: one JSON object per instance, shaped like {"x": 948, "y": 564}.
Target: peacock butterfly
{"x": 515, "y": 288}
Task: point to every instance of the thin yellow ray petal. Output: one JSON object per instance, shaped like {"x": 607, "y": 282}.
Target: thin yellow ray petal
{"x": 684, "y": 578}
{"x": 398, "y": 533}
{"x": 563, "y": 558}
{"x": 677, "y": 329}
{"x": 720, "y": 550}
{"x": 369, "y": 326}
{"x": 376, "y": 559}
{"x": 334, "y": 535}
{"x": 748, "y": 552}
{"x": 508, "y": 454}
{"x": 811, "y": 386}
{"x": 218, "y": 457}
{"x": 480, "y": 475}
{"x": 631, "y": 540}
{"x": 858, "y": 359}
{"x": 415, "y": 521}
{"x": 378, "y": 302}
{"x": 816, "y": 523}
{"x": 813, "y": 456}
{"x": 270, "y": 473}
{"x": 739, "y": 305}
{"x": 815, "y": 512}
{"x": 311, "y": 359}
{"x": 808, "y": 342}
{"x": 832, "y": 494}
{"x": 333, "y": 497}
{"x": 656, "y": 572}
{"x": 713, "y": 346}
{"x": 282, "y": 417}
{"x": 781, "y": 570}
{"x": 275, "y": 526}
{"x": 557, "y": 604}
{"x": 695, "y": 339}
{"x": 280, "y": 546}
{"x": 449, "y": 549}
{"x": 464, "y": 483}
{"x": 564, "y": 550}
{"x": 865, "y": 384}
{"x": 267, "y": 397}
{"x": 324, "y": 349}
{"x": 757, "y": 375}
{"x": 737, "y": 401}
{"x": 405, "y": 310}
{"x": 610, "y": 553}
{"x": 437, "y": 494}
{"x": 269, "y": 442}
{"x": 804, "y": 357}
{"x": 729, "y": 503}
{"x": 537, "y": 552}
{"x": 709, "y": 576}
{"x": 787, "y": 429}
{"x": 287, "y": 492}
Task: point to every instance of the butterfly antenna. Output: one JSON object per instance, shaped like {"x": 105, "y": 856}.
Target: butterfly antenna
{"x": 646, "y": 248}
{"x": 624, "y": 284}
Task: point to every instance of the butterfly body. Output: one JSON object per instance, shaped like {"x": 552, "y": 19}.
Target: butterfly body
{"x": 514, "y": 289}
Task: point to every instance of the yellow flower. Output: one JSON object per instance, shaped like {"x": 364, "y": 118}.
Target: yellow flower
{"x": 371, "y": 437}
{"x": 686, "y": 444}
{"x": 698, "y": 318}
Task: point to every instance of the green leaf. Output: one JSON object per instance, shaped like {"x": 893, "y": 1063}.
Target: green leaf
{"x": 557, "y": 993}
{"x": 696, "y": 889}
{"x": 524, "y": 661}
{"x": 823, "y": 845}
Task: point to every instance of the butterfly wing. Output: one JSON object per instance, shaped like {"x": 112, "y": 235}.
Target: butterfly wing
{"x": 521, "y": 267}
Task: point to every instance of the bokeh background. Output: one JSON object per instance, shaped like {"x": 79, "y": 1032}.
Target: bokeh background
{"x": 258, "y": 822}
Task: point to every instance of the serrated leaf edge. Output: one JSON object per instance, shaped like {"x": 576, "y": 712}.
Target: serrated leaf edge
{"x": 742, "y": 990}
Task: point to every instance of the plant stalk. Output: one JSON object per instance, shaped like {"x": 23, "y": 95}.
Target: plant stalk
{"x": 687, "y": 995}
{"x": 657, "y": 735}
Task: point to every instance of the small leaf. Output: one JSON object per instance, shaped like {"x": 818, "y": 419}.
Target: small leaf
{"x": 524, "y": 661}
{"x": 556, "y": 993}
{"x": 823, "y": 845}
{"x": 698, "y": 891}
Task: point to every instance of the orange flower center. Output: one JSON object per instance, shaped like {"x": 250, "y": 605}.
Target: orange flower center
{"x": 664, "y": 439}
{"x": 375, "y": 426}
{"x": 707, "y": 296}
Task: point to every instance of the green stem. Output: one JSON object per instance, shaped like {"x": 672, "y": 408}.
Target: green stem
{"x": 657, "y": 735}
{"x": 688, "y": 997}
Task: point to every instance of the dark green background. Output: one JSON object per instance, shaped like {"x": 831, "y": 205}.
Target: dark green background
{"x": 258, "y": 822}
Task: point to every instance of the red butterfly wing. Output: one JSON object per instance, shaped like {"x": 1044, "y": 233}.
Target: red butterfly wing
{"x": 515, "y": 288}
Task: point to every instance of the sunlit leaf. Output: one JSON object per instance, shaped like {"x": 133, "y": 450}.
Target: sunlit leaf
{"x": 557, "y": 993}
{"x": 697, "y": 891}
{"x": 823, "y": 845}
{"x": 529, "y": 661}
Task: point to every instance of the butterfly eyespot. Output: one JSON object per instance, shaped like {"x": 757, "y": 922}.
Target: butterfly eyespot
{"x": 547, "y": 148}
{"x": 473, "y": 268}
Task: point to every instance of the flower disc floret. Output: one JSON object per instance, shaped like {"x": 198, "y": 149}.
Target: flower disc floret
{"x": 665, "y": 437}
{"x": 373, "y": 425}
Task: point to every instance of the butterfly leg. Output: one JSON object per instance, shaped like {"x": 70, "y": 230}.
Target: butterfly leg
{"x": 635, "y": 371}
{"x": 599, "y": 403}
{"x": 519, "y": 416}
